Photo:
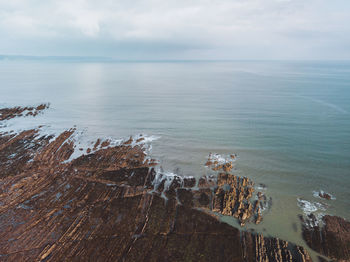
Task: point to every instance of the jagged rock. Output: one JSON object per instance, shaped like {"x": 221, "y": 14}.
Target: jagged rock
{"x": 259, "y": 248}
{"x": 331, "y": 237}
{"x": 140, "y": 139}
{"x": 189, "y": 181}
{"x": 303, "y": 255}
{"x": 105, "y": 143}
{"x": 9, "y": 113}
{"x": 175, "y": 184}
{"x": 128, "y": 142}
{"x": 227, "y": 167}
{"x": 217, "y": 163}
{"x": 202, "y": 198}
{"x": 185, "y": 196}
{"x": 98, "y": 141}
{"x": 101, "y": 207}
{"x": 324, "y": 195}
{"x": 206, "y": 182}
{"x": 233, "y": 198}
{"x": 258, "y": 216}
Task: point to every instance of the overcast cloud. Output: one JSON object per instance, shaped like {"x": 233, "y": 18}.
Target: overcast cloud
{"x": 177, "y": 29}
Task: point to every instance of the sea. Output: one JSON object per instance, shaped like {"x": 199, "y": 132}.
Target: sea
{"x": 287, "y": 121}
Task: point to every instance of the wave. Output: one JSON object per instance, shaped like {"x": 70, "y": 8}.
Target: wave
{"x": 330, "y": 105}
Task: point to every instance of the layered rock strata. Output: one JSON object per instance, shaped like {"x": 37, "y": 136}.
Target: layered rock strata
{"x": 9, "y": 113}
{"x": 330, "y": 236}
{"x": 233, "y": 195}
{"x": 111, "y": 205}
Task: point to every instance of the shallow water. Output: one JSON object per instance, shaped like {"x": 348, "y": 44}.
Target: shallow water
{"x": 289, "y": 122}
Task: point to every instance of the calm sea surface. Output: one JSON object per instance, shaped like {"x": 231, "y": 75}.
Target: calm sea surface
{"x": 289, "y": 122}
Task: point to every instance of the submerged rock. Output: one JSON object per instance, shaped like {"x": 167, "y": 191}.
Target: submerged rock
{"x": 325, "y": 195}
{"x": 219, "y": 163}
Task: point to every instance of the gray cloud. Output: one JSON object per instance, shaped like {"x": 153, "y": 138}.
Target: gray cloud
{"x": 182, "y": 29}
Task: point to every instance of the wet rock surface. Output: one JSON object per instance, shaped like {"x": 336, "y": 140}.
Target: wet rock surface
{"x": 219, "y": 163}
{"x": 111, "y": 205}
{"x": 330, "y": 237}
{"x": 233, "y": 195}
{"x": 323, "y": 194}
{"x": 9, "y": 113}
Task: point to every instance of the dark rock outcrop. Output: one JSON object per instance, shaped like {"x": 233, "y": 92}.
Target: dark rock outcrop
{"x": 330, "y": 237}
{"x": 9, "y": 113}
{"x": 324, "y": 195}
{"x": 233, "y": 197}
{"x": 110, "y": 205}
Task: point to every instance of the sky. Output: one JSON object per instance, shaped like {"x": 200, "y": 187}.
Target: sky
{"x": 177, "y": 29}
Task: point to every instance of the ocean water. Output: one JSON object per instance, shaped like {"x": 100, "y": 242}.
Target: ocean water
{"x": 288, "y": 121}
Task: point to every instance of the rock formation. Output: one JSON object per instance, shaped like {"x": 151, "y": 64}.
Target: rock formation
{"x": 111, "y": 205}
{"x": 330, "y": 237}
{"x": 233, "y": 195}
{"x": 9, "y": 113}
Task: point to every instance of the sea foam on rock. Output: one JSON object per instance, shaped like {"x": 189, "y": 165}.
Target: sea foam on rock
{"x": 323, "y": 194}
{"x": 330, "y": 238}
{"x": 326, "y": 234}
{"x": 106, "y": 206}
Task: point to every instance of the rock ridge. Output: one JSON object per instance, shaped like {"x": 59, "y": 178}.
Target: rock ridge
{"x": 111, "y": 205}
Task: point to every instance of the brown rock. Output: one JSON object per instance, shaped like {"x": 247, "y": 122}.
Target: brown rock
{"x": 105, "y": 143}
{"x": 189, "y": 181}
{"x": 227, "y": 167}
{"x": 128, "y": 142}
{"x": 202, "y": 198}
{"x": 258, "y": 216}
{"x": 97, "y": 144}
{"x": 206, "y": 182}
{"x": 101, "y": 207}
{"x": 332, "y": 239}
{"x": 185, "y": 197}
{"x": 140, "y": 139}
{"x": 9, "y": 113}
{"x": 324, "y": 195}
{"x": 208, "y": 163}
{"x": 233, "y": 198}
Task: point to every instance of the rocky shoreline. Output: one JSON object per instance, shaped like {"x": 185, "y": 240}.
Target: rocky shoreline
{"x": 111, "y": 204}
{"x": 330, "y": 237}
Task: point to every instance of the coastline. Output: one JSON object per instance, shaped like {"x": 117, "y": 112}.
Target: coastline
{"x": 111, "y": 198}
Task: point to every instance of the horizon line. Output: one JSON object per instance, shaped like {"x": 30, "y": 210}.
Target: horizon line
{"x": 113, "y": 59}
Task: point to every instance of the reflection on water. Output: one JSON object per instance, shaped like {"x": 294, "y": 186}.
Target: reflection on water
{"x": 288, "y": 122}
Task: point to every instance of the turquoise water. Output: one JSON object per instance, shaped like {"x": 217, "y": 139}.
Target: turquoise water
{"x": 289, "y": 122}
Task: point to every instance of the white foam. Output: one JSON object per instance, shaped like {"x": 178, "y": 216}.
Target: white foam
{"x": 310, "y": 207}
{"x": 149, "y": 139}
{"x": 81, "y": 138}
{"x": 260, "y": 188}
{"x": 145, "y": 141}
{"x": 314, "y": 208}
{"x": 221, "y": 159}
{"x": 168, "y": 178}
{"x": 83, "y": 141}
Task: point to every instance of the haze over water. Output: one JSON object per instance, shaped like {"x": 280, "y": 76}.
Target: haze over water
{"x": 289, "y": 122}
